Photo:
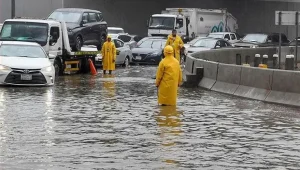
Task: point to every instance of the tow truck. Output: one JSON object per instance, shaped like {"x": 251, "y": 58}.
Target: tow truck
{"x": 52, "y": 35}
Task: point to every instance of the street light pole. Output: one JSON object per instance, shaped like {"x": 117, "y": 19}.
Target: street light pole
{"x": 13, "y": 8}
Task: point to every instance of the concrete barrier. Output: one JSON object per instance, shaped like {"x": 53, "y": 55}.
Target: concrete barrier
{"x": 228, "y": 79}
{"x": 198, "y": 63}
{"x": 210, "y": 74}
{"x": 189, "y": 63}
{"x": 285, "y": 88}
{"x": 256, "y": 83}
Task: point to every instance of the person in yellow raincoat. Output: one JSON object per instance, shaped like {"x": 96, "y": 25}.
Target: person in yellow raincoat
{"x": 168, "y": 78}
{"x": 108, "y": 56}
{"x": 176, "y": 42}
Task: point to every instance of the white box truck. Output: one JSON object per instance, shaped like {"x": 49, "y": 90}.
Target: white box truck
{"x": 191, "y": 22}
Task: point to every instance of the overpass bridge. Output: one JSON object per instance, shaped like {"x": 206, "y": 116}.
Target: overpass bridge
{"x": 252, "y": 15}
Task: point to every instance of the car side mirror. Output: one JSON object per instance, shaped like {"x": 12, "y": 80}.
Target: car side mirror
{"x": 51, "y": 56}
{"x": 53, "y": 40}
{"x": 83, "y": 22}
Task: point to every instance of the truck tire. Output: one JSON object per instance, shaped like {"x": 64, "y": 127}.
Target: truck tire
{"x": 58, "y": 68}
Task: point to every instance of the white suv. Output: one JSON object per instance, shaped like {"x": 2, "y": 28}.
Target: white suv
{"x": 228, "y": 36}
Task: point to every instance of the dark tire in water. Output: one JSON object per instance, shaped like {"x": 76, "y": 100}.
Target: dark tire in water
{"x": 58, "y": 68}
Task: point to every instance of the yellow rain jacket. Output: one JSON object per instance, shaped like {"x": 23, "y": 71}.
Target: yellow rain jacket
{"x": 108, "y": 56}
{"x": 168, "y": 78}
{"x": 176, "y": 43}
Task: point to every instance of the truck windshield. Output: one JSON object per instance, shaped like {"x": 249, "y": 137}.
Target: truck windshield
{"x": 66, "y": 16}
{"x": 25, "y": 31}
{"x": 162, "y": 22}
{"x": 256, "y": 38}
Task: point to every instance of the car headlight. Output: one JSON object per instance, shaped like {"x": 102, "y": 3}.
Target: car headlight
{"x": 154, "y": 54}
{"x": 47, "y": 69}
{"x": 4, "y": 68}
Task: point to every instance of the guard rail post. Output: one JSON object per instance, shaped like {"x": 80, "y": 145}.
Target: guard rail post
{"x": 275, "y": 60}
{"x": 238, "y": 59}
{"x": 257, "y": 60}
{"x": 265, "y": 59}
{"x": 289, "y": 62}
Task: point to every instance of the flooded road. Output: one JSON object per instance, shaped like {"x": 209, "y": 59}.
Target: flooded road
{"x": 113, "y": 122}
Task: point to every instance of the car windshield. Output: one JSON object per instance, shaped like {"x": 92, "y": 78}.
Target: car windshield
{"x": 259, "y": 38}
{"x": 25, "y": 31}
{"x": 31, "y": 51}
{"x": 155, "y": 44}
{"x": 113, "y": 31}
{"x": 208, "y": 43}
{"x": 216, "y": 35}
{"x": 162, "y": 22}
{"x": 66, "y": 16}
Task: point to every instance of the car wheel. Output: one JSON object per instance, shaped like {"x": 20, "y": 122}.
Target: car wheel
{"x": 126, "y": 62}
{"x": 102, "y": 41}
{"x": 78, "y": 44}
{"x": 58, "y": 68}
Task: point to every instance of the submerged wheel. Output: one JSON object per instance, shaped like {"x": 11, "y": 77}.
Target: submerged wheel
{"x": 58, "y": 68}
{"x": 126, "y": 62}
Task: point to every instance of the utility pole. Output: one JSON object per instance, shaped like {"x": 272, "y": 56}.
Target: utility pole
{"x": 13, "y": 8}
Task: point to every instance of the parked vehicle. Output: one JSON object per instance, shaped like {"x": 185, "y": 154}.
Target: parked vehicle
{"x": 188, "y": 44}
{"x": 56, "y": 45}
{"x": 85, "y": 26}
{"x": 25, "y": 63}
{"x": 149, "y": 51}
{"x": 191, "y": 22}
{"x": 261, "y": 40}
{"x": 204, "y": 44}
{"x": 114, "y": 31}
{"x": 228, "y": 36}
{"x": 124, "y": 54}
{"x": 293, "y": 43}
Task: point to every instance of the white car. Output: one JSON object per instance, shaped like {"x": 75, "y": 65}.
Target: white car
{"x": 228, "y": 36}
{"x": 114, "y": 31}
{"x": 124, "y": 54}
{"x": 26, "y": 64}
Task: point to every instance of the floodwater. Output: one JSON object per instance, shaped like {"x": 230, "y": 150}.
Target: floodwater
{"x": 113, "y": 122}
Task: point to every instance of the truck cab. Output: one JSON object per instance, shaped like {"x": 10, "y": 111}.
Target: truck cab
{"x": 47, "y": 33}
{"x": 163, "y": 24}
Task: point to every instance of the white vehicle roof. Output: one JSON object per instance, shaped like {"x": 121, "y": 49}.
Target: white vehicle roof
{"x": 33, "y": 20}
{"x": 115, "y": 28}
{"x": 19, "y": 43}
{"x": 222, "y": 33}
{"x": 164, "y": 15}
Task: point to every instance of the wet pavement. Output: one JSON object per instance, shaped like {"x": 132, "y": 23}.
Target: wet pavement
{"x": 113, "y": 122}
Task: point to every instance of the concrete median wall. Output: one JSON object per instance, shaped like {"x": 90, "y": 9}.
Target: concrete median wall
{"x": 255, "y": 83}
{"x": 228, "y": 78}
{"x": 228, "y": 56}
{"x": 270, "y": 85}
{"x": 285, "y": 88}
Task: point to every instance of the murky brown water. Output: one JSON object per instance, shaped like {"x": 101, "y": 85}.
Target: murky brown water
{"x": 115, "y": 123}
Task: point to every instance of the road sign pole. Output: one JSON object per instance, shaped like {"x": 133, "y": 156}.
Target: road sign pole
{"x": 297, "y": 27}
{"x": 279, "y": 51}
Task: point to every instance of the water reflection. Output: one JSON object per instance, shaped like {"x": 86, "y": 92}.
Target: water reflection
{"x": 109, "y": 85}
{"x": 169, "y": 123}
